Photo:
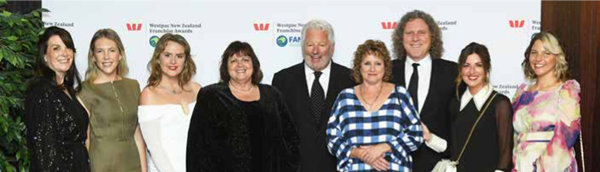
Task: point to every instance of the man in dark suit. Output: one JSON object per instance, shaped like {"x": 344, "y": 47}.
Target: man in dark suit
{"x": 430, "y": 81}
{"x": 304, "y": 86}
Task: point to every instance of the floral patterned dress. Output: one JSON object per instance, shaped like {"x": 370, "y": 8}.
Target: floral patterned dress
{"x": 546, "y": 125}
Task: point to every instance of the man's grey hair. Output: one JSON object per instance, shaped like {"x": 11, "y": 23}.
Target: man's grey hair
{"x": 318, "y": 24}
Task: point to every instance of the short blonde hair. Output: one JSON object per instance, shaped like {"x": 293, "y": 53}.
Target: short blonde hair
{"x": 551, "y": 44}
{"x": 92, "y": 71}
{"x": 376, "y": 48}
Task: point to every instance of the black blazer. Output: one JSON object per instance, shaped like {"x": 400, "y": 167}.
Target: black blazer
{"x": 314, "y": 156}
{"x": 435, "y": 112}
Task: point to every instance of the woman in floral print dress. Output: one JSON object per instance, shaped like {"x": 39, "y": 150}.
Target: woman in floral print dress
{"x": 547, "y": 116}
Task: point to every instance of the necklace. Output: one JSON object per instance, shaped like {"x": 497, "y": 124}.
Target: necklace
{"x": 172, "y": 90}
{"x": 376, "y": 97}
{"x": 241, "y": 90}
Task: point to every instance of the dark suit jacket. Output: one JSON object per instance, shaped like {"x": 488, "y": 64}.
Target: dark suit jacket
{"x": 435, "y": 112}
{"x": 314, "y": 156}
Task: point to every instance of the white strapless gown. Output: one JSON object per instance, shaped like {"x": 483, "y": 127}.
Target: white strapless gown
{"x": 165, "y": 131}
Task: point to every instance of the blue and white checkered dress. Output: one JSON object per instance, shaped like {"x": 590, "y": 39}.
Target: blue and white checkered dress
{"x": 395, "y": 123}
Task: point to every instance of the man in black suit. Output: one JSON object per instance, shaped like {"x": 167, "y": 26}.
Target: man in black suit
{"x": 304, "y": 86}
{"x": 430, "y": 81}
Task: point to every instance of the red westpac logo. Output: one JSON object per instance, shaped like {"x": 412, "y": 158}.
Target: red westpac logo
{"x": 134, "y": 26}
{"x": 516, "y": 23}
{"x": 261, "y": 26}
{"x": 389, "y": 25}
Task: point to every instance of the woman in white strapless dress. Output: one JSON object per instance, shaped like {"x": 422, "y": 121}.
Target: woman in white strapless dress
{"x": 166, "y": 104}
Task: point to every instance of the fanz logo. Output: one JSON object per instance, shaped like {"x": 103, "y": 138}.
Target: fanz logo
{"x": 153, "y": 40}
{"x": 389, "y": 25}
{"x": 516, "y": 23}
{"x": 282, "y": 40}
{"x": 261, "y": 26}
{"x": 134, "y": 26}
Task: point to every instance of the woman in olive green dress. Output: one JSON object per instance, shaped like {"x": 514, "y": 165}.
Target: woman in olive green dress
{"x": 115, "y": 141}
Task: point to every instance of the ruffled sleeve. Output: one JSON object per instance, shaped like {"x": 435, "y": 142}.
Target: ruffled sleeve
{"x": 516, "y": 101}
{"x": 567, "y": 128}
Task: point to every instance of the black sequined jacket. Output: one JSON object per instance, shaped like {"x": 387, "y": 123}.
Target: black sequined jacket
{"x": 218, "y": 138}
{"x": 56, "y": 129}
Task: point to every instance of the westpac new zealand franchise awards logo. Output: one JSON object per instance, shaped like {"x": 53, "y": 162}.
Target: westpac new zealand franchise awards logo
{"x": 261, "y": 26}
{"x": 134, "y": 26}
{"x": 516, "y": 23}
{"x": 389, "y": 25}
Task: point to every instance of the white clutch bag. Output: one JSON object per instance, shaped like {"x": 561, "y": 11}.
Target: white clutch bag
{"x": 445, "y": 165}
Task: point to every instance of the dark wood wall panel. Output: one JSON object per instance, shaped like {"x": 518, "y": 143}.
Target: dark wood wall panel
{"x": 577, "y": 25}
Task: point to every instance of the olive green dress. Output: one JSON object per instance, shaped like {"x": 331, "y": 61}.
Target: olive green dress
{"x": 113, "y": 120}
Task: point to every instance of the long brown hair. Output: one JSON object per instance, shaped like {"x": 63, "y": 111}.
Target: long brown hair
{"x": 189, "y": 67}
{"x": 72, "y": 79}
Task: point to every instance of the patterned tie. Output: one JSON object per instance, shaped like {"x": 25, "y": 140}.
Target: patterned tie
{"x": 317, "y": 97}
{"x": 414, "y": 86}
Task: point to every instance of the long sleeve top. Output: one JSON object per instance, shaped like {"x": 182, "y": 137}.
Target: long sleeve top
{"x": 56, "y": 129}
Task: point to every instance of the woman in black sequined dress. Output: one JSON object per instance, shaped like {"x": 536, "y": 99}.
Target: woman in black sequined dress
{"x": 56, "y": 121}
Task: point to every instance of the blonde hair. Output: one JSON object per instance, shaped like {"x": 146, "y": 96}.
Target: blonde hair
{"x": 189, "y": 68}
{"x": 92, "y": 71}
{"x": 551, "y": 44}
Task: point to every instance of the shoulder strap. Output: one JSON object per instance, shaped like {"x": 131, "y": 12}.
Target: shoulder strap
{"x": 581, "y": 150}
{"x": 475, "y": 125}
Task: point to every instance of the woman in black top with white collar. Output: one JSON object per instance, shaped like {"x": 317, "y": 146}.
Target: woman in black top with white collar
{"x": 481, "y": 118}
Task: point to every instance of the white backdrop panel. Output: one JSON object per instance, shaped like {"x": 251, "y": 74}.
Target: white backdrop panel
{"x": 209, "y": 26}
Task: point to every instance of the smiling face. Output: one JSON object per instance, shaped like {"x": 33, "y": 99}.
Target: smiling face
{"x": 473, "y": 73}
{"x": 542, "y": 61}
{"x": 416, "y": 39}
{"x": 107, "y": 57}
{"x": 58, "y": 57}
{"x": 172, "y": 59}
{"x": 372, "y": 69}
{"x": 317, "y": 49}
{"x": 240, "y": 68}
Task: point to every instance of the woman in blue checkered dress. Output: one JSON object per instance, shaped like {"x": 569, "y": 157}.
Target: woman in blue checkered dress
{"x": 373, "y": 126}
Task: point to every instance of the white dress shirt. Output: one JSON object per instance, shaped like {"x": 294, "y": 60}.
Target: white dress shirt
{"x": 436, "y": 143}
{"x": 323, "y": 79}
{"x": 424, "y": 70}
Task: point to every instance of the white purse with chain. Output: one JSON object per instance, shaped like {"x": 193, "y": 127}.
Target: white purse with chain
{"x": 445, "y": 165}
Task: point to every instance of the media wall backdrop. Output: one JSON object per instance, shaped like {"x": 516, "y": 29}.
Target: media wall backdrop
{"x": 273, "y": 28}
